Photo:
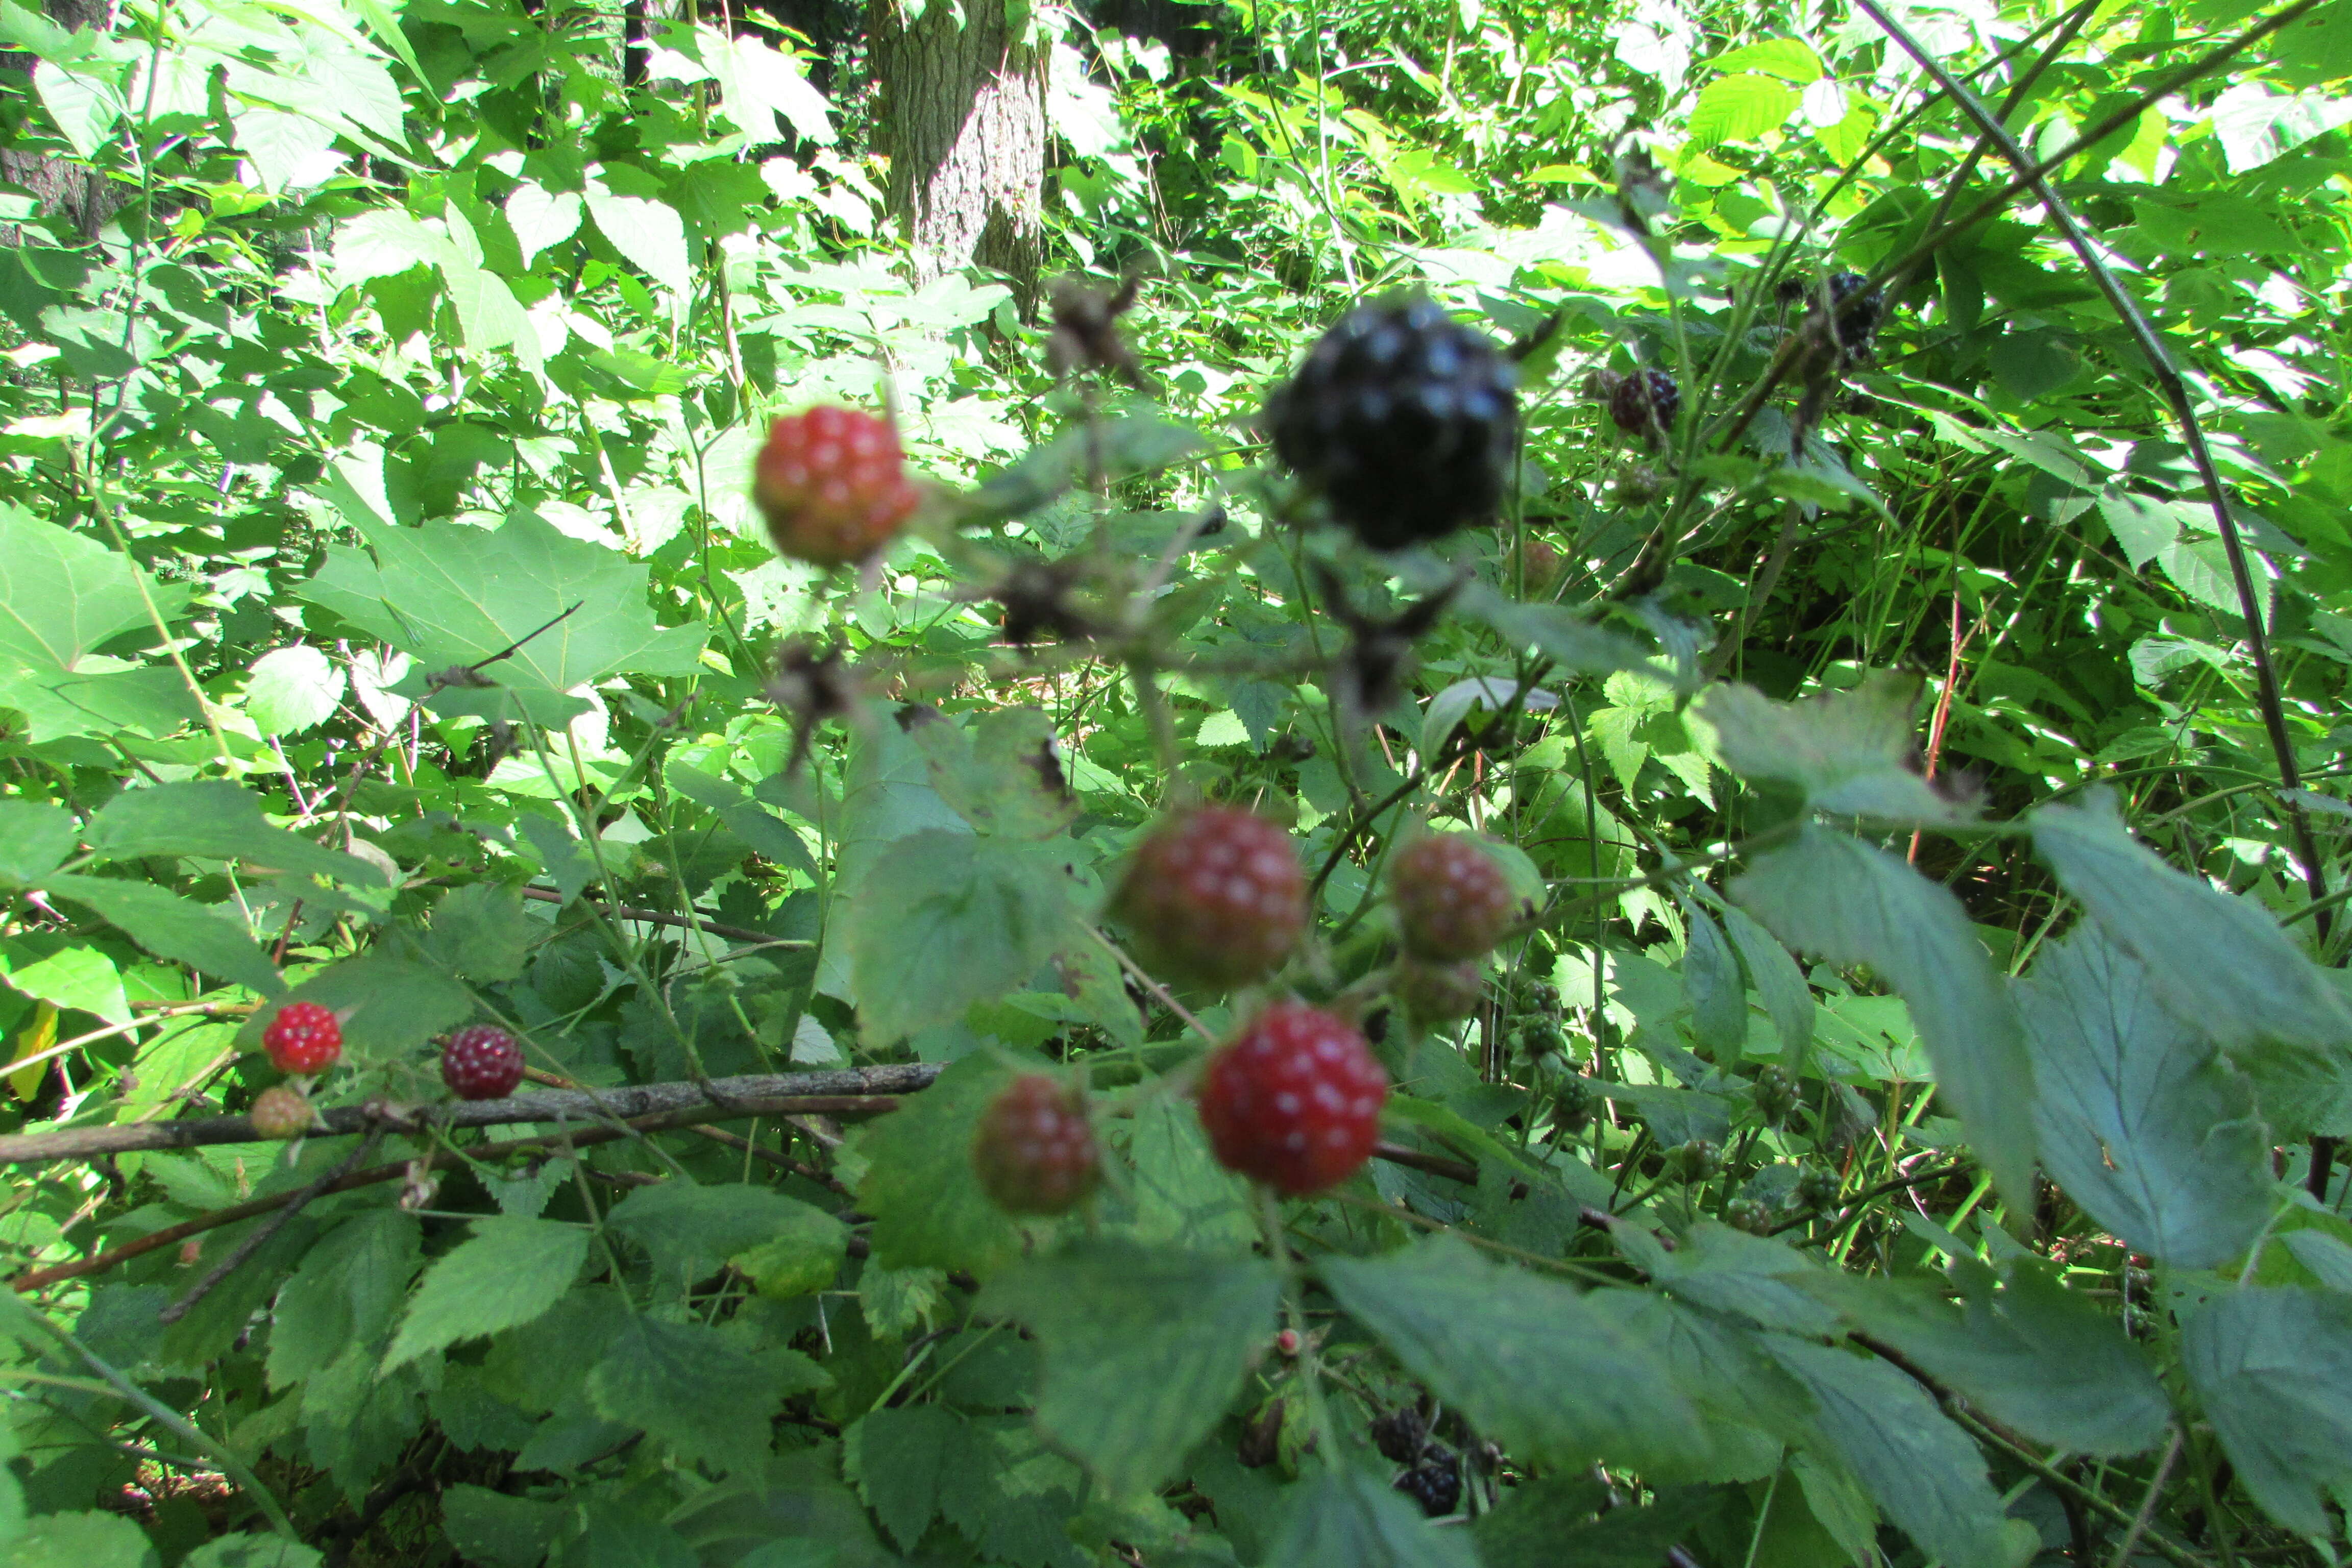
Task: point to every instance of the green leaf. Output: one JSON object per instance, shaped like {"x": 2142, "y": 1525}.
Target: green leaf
{"x": 1526, "y": 1358}
{"x": 215, "y": 820}
{"x": 1181, "y": 1195}
{"x": 918, "y": 1185}
{"x": 480, "y": 931}
{"x": 78, "y": 1540}
{"x": 252, "y": 1551}
{"x": 349, "y": 1287}
{"x": 1006, "y": 776}
{"x": 697, "y": 1389}
{"x": 541, "y": 217}
{"x": 448, "y": 595}
{"x": 1791, "y": 59}
{"x": 649, "y": 234}
{"x": 169, "y": 926}
{"x": 2139, "y": 1120}
{"x": 1739, "y": 108}
{"x": 292, "y": 690}
{"x": 2249, "y": 983}
{"x": 800, "y": 1256}
{"x": 502, "y": 1531}
{"x": 396, "y": 1004}
{"x": 1346, "y": 1519}
{"x": 1144, "y": 1348}
{"x": 510, "y": 1272}
{"x": 690, "y": 1230}
{"x": 1830, "y": 894}
{"x": 1788, "y": 999}
{"x": 2274, "y": 1371}
{"x": 1921, "y": 1469}
{"x": 1718, "y": 998}
{"x": 62, "y": 595}
{"x": 944, "y": 920}
{"x": 34, "y": 839}
{"x": 2035, "y": 1356}
{"x": 1846, "y": 750}
{"x": 902, "y": 1454}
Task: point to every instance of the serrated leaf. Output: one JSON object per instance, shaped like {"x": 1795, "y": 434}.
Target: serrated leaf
{"x": 169, "y": 926}
{"x": 212, "y": 819}
{"x": 1846, "y": 750}
{"x": 1718, "y": 998}
{"x": 480, "y": 931}
{"x": 2272, "y": 1369}
{"x": 1181, "y": 1195}
{"x": 1346, "y": 1519}
{"x": 1525, "y": 1357}
{"x": 1923, "y": 1470}
{"x": 34, "y": 839}
{"x": 502, "y": 1531}
{"x": 541, "y": 217}
{"x": 292, "y": 690}
{"x": 1791, "y": 59}
{"x": 648, "y": 233}
{"x": 690, "y": 1230}
{"x": 1831, "y": 894}
{"x": 1739, "y": 109}
{"x": 395, "y": 1005}
{"x": 1144, "y": 1348}
{"x": 2035, "y": 1356}
{"x": 62, "y": 595}
{"x": 902, "y": 1453}
{"x": 1004, "y": 776}
{"x": 927, "y": 1207}
{"x": 695, "y": 1388}
{"x": 2139, "y": 1121}
{"x": 2249, "y": 983}
{"x": 449, "y": 594}
{"x": 1787, "y": 998}
{"x": 79, "y": 1541}
{"x": 347, "y": 1291}
{"x": 945, "y": 920}
{"x": 510, "y": 1272}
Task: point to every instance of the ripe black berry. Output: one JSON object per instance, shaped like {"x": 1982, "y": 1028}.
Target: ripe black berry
{"x": 1645, "y": 403}
{"x": 1435, "y": 1486}
{"x": 1404, "y": 419}
{"x": 1855, "y": 311}
{"x": 1401, "y": 1433}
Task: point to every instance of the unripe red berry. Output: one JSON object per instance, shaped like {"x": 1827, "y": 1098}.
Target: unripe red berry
{"x": 481, "y": 1062}
{"x": 1215, "y": 895}
{"x": 1452, "y": 899}
{"x": 1285, "y": 1343}
{"x": 1033, "y": 1151}
{"x": 1294, "y": 1100}
{"x": 304, "y": 1038}
{"x": 1540, "y": 568}
{"x": 833, "y": 486}
{"x": 279, "y": 1113}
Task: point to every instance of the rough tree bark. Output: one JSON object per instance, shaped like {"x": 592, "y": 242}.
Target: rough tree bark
{"x": 64, "y": 186}
{"x": 963, "y": 124}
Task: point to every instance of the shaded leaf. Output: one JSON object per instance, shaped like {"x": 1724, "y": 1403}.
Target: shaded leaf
{"x": 510, "y": 1272}
{"x": 2274, "y": 1371}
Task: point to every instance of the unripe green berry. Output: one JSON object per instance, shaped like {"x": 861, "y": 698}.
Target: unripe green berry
{"x": 1696, "y": 1160}
{"x": 1776, "y": 1094}
{"x": 1748, "y": 1215}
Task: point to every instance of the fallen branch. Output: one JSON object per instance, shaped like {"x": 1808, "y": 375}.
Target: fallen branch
{"x": 848, "y": 1092}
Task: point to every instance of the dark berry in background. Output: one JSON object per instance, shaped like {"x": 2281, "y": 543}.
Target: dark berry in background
{"x": 1404, "y": 420}
{"x": 1034, "y": 1149}
{"x": 1645, "y": 403}
{"x": 482, "y": 1062}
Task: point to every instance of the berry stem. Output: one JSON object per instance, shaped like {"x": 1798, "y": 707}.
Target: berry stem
{"x": 1310, "y": 1362}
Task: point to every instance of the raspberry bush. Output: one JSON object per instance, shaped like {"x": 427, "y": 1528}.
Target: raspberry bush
{"x": 1556, "y": 784}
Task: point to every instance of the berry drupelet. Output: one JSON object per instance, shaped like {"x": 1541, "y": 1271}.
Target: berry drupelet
{"x": 1404, "y": 419}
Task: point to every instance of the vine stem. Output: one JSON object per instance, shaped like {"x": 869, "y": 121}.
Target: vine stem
{"x": 2139, "y": 1523}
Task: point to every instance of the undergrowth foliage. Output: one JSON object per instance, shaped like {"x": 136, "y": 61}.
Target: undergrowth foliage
{"x": 1673, "y": 903}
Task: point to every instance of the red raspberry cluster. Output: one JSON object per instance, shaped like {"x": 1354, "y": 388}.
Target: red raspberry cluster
{"x": 1215, "y": 896}
{"x": 1034, "y": 1149}
{"x": 1453, "y": 901}
{"x": 832, "y": 485}
{"x": 1294, "y": 1101}
{"x": 304, "y": 1038}
{"x": 482, "y": 1062}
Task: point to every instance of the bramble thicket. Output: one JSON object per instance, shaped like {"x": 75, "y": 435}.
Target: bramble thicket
{"x": 1305, "y": 784}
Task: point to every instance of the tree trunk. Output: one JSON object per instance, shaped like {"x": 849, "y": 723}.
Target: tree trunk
{"x": 963, "y": 123}
{"x": 63, "y": 185}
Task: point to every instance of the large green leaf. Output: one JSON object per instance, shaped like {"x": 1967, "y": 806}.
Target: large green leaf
{"x": 1346, "y": 1519}
{"x": 173, "y": 926}
{"x": 1831, "y": 894}
{"x": 691, "y": 1230}
{"x": 943, "y": 919}
{"x": 62, "y": 595}
{"x": 1788, "y": 999}
{"x": 79, "y": 1541}
{"x": 1739, "y": 108}
{"x": 1144, "y": 1348}
{"x": 698, "y": 1388}
{"x": 2140, "y": 1121}
{"x": 214, "y": 820}
{"x": 2249, "y": 983}
{"x": 2272, "y": 1369}
{"x": 448, "y": 595}
{"x": 1848, "y": 751}
{"x": 1922, "y": 1470}
{"x": 1526, "y": 1358}
{"x": 510, "y": 1272}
